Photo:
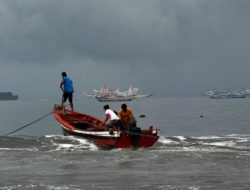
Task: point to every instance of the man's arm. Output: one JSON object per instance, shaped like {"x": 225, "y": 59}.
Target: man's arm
{"x": 106, "y": 119}
{"x": 61, "y": 85}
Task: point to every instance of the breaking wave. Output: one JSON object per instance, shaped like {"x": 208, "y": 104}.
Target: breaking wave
{"x": 48, "y": 143}
{"x": 51, "y": 143}
{"x": 234, "y": 142}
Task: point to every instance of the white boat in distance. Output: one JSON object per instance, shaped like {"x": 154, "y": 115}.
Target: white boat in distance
{"x": 214, "y": 94}
{"x": 108, "y": 95}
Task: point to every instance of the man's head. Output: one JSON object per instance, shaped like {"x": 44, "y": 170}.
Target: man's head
{"x": 106, "y": 107}
{"x": 124, "y": 106}
{"x": 64, "y": 74}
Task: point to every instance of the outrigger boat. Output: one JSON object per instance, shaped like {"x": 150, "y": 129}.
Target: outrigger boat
{"x": 108, "y": 95}
{"x": 91, "y": 128}
{"x": 214, "y": 94}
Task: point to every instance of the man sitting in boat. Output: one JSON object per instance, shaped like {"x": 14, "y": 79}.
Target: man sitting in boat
{"x": 127, "y": 117}
{"x": 114, "y": 120}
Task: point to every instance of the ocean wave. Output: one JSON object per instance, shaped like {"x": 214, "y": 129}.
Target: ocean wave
{"x": 52, "y": 143}
{"x": 48, "y": 143}
{"x": 70, "y": 143}
{"x": 205, "y": 143}
{"x": 39, "y": 186}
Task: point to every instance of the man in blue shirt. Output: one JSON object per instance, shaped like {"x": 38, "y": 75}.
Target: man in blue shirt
{"x": 67, "y": 88}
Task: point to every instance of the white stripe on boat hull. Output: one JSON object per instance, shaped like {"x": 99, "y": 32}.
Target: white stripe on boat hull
{"x": 94, "y": 133}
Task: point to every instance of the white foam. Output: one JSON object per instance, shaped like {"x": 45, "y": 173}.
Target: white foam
{"x": 181, "y": 138}
{"x": 221, "y": 144}
{"x": 208, "y": 137}
{"x": 239, "y": 135}
{"x": 194, "y": 188}
{"x": 56, "y": 136}
{"x": 83, "y": 143}
{"x": 10, "y": 187}
{"x": 21, "y": 149}
{"x": 167, "y": 141}
{"x": 64, "y": 146}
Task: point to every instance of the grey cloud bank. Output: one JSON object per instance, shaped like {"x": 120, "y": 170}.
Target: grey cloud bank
{"x": 171, "y": 47}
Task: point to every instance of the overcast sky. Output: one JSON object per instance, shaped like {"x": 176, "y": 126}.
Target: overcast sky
{"x": 169, "y": 47}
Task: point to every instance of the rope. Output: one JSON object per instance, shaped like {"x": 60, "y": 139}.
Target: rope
{"x": 46, "y": 115}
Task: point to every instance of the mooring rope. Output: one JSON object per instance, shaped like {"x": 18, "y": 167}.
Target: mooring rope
{"x": 46, "y": 115}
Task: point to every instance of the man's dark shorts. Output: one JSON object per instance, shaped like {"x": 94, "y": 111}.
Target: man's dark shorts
{"x": 68, "y": 95}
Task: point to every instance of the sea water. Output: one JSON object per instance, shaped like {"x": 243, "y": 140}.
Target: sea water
{"x": 204, "y": 144}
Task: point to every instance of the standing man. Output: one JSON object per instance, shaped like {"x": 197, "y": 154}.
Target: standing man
{"x": 67, "y": 88}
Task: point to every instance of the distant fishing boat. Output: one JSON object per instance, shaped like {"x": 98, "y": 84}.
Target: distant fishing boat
{"x": 108, "y": 95}
{"x": 246, "y": 91}
{"x": 214, "y": 94}
{"x": 8, "y": 96}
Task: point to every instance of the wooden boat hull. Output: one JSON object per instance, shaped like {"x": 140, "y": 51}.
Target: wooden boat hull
{"x": 90, "y": 128}
{"x": 114, "y": 99}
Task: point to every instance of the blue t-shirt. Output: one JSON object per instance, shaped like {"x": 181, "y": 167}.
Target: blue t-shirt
{"x": 68, "y": 85}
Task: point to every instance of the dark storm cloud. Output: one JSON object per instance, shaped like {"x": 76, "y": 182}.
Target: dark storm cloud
{"x": 46, "y": 31}
{"x": 136, "y": 31}
{"x": 196, "y": 43}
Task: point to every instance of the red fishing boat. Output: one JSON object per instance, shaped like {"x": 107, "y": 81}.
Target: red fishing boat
{"x": 91, "y": 128}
